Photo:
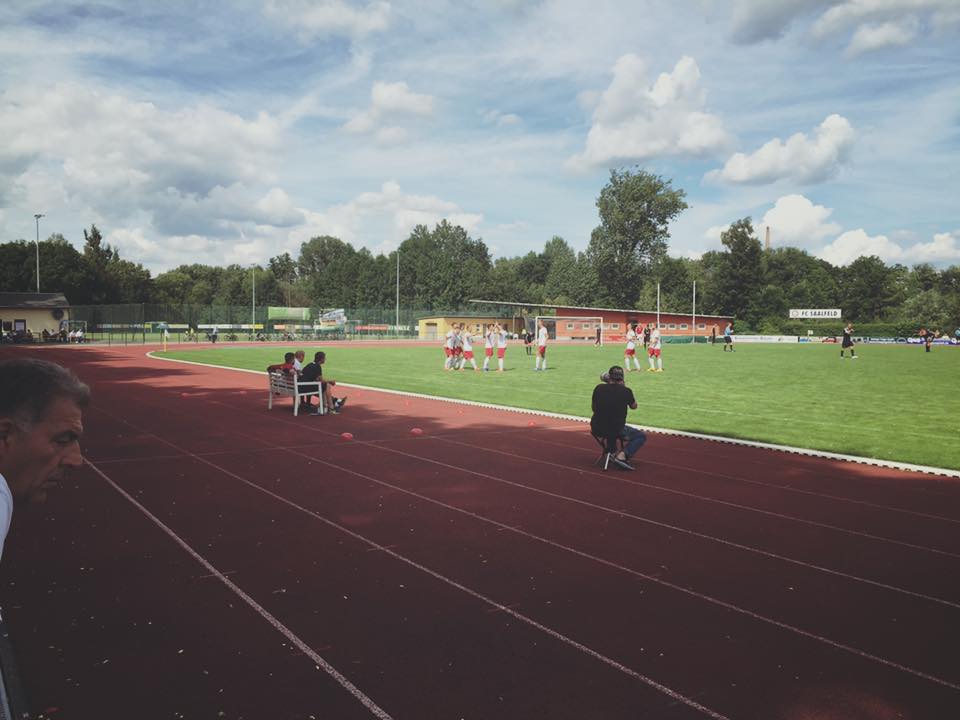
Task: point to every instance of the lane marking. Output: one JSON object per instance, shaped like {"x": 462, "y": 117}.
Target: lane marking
{"x": 369, "y": 704}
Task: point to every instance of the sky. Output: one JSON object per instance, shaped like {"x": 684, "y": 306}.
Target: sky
{"x": 233, "y": 131}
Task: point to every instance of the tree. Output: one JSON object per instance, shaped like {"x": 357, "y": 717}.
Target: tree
{"x": 635, "y": 208}
{"x": 739, "y": 282}
{"x": 869, "y": 288}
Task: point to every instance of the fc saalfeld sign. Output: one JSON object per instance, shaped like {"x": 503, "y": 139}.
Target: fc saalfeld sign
{"x": 818, "y": 313}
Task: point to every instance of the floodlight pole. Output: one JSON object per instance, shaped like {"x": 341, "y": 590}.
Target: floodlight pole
{"x": 253, "y": 300}
{"x": 37, "y": 218}
{"x": 397, "y": 327}
{"x": 693, "y": 325}
{"x": 658, "y": 306}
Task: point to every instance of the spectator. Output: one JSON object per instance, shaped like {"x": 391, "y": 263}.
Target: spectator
{"x": 314, "y": 371}
{"x": 41, "y": 422}
{"x": 298, "y": 358}
{"x": 286, "y": 367}
{"x": 610, "y": 402}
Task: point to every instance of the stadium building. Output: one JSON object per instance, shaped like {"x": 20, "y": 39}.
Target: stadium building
{"x": 33, "y": 312}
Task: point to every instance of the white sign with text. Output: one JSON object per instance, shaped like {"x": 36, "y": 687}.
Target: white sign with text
{"x": 814, "y": 313}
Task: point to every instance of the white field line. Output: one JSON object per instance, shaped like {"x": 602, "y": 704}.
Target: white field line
{"x": 253, "y": 604}
{"x": 908, "y": 467}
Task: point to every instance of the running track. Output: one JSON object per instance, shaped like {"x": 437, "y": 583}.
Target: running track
{"x": 214, "y": 560}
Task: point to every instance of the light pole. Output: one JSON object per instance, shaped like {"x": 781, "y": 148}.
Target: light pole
{"x": 37, "y": 218}
{"x": 253, "y": 301}
{"x": 397, "y": 328}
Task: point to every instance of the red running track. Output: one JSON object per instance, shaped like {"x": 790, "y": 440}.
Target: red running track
{"x": 214, "y": 559}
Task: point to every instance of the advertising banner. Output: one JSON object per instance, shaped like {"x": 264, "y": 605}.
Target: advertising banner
{"x": 815, "y": 313}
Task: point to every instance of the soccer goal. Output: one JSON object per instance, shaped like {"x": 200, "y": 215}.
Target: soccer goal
{"x": 572, "y": 327}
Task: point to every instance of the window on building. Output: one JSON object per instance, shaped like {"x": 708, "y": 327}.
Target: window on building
{"x": 683, "y": 326}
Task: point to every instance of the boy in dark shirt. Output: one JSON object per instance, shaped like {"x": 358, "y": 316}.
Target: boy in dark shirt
{"x": 610, "y": 402}
{"x": 314, "y": 371}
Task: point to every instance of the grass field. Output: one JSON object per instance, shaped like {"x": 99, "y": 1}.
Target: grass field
{"x": 893, "y": 402}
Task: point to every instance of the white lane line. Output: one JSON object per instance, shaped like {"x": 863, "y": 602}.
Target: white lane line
{"x": 727, "y": 503}
{"x": 369, "y": 704}
{"x": 412, "y": 563}
{"x": 909, "y": 467}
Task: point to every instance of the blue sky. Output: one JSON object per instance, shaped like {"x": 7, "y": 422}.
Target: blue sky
{"x": 222, "y": 132}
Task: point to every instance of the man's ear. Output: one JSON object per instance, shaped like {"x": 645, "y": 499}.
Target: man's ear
{"x": 7, "y": 429}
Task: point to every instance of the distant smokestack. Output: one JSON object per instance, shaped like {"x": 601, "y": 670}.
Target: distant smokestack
{"x": 766, "y": 243}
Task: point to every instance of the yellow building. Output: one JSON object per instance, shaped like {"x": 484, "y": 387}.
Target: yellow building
{"x": 437, "y": 327}
{"x": 36, "y": 312}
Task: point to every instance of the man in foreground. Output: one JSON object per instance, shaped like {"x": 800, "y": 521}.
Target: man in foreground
{"x": 610, "y": 402}
{"x": 41, "y": 422}
{"x": 313, "y": 372}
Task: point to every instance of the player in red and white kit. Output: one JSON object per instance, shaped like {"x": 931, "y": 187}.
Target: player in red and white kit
{"x": 500, "y": 337}
{"x": 467, "y": 339}
{"x": 458, "y": 347}
{"x": 653, "y": 351}
{"x": 542, "y": 336}
{"x": 631, "y": 351}
{"x": 489, "y": 340}
{"x": 448, "y": 345}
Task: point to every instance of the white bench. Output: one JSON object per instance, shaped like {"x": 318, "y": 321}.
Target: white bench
{"x": 281, "y": 384}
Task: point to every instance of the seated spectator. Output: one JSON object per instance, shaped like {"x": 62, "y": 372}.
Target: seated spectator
{"x": 41, "y": 421}
{"x": 298, "y": 358}
{"x": 610, "y": 402}
{"x": 79, "y": 335}
{"x": 314, "y": 371}
{"x": 286, "y": 367}
{"x": 72, "y": 336}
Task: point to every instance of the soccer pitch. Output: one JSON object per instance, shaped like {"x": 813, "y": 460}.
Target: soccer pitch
{"x": 893, "y": 402}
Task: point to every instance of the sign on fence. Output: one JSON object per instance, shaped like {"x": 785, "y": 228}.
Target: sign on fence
{"x": 814, "y": 313}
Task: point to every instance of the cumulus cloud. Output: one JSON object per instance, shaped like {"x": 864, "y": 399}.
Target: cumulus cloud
{"x": 796, "y": 222}
{"x": 872, "y": 24}
{"x": 319, "y": 18}
{"x": 387, "y": 102}
{"x": 800, "y": 159}
{"x": 635, "y": 121}
{"x": 944, "y": 248}
{"x": 388, "y": 213}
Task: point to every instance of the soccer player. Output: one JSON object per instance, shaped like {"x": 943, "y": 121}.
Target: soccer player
{"x": 653, "y": 352}
{"x": 631, "y": 351}
{"x": 489, "y": 340}
{"x": 448, "y": 348}
{"x": 848, "y": 341}
{"x": 646, "y": 335}
{"x": 728, "y": 337}
{"x": 467, "y": 338}
{"x": 542, "y": 336}
{"x": 501, "y": 341}
{"x": 458, "y": 347}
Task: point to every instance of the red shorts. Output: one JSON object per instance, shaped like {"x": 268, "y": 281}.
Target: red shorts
{"x": 488, "y": 352}
{"x": 629, "y": 352}
{"x": 468, "y": 354}
{"x": 457, "y": 350}
{"x": 542, "y": 350}
{"x": 653, "y": 352}
{"x": 500, "y": 352}
{"x": 447, "y": 351}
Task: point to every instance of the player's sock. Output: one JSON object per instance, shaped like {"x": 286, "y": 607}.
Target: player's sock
{"x": 500, "y": 363}
{"x": 544, "y": 364}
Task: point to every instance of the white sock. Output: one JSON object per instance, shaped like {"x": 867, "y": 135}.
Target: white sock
{"x": 544, "y": 363}
{"x": 486, "y": 362}
{"x": 651, "y": 364}
{"x": 537, "y": 363}
{"x": 500, "y": 363}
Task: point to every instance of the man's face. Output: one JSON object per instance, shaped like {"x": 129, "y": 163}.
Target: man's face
{"x": 31, "y": 460}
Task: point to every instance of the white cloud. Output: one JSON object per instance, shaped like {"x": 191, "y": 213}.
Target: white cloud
{"x": 318, "y": 18}
{"x": 799, "y": 159}
{"x": 944, "y": 248}
{"x": 856, "y": 243}
{"x": 867, "y": 38}
{"x": 756, "y": 20}
{"x": 636, "y": 122}
{"x": 796, "y": 222}
{"x": 389, "y": 214}
{"x": 387, "y": 101}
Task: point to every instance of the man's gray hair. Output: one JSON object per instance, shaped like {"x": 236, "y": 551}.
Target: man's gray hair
{"x": 28, "y": 387}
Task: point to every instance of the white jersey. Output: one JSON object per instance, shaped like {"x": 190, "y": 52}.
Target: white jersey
{"x": 297, "y": 365}
{"x": 542, "y": 336}
{"x": 450, "y": 342}
{"x": 502, "y": 339}
{"x": 467, "y": 340}
{"x": 654, "y": 339}
{"x": 631, "y": 339}
{"x": 489, "y": 339}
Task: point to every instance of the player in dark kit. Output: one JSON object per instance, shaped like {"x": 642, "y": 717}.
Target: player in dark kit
{"x": 848, "y": 341}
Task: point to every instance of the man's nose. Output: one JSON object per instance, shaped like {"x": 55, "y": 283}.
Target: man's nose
{"x": 73, "y": 457}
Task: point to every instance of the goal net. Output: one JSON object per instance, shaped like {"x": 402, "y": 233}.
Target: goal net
{"x": 571, "y": 327}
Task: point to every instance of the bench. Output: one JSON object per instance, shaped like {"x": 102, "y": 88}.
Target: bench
{"x": 281, "y": 384}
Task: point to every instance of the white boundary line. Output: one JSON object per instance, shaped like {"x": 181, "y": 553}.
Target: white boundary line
{"x": 259, "y": 609}
{"x": 908, "y": 467}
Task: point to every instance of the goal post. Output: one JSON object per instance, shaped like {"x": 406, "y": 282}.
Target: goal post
{"x": 570, "y": 328}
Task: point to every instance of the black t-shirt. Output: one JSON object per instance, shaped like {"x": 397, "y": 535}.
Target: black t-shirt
{"x": 610, "y": 403}
{"x": 311, "y": 372}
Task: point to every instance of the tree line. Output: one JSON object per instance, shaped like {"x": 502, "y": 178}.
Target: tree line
{"x": 442, "y": 268}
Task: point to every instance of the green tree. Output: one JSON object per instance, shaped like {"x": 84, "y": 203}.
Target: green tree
{"x": 739, "y": 282}
{"x": 869, "y": 289}
{"x": 635, "y": 209}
